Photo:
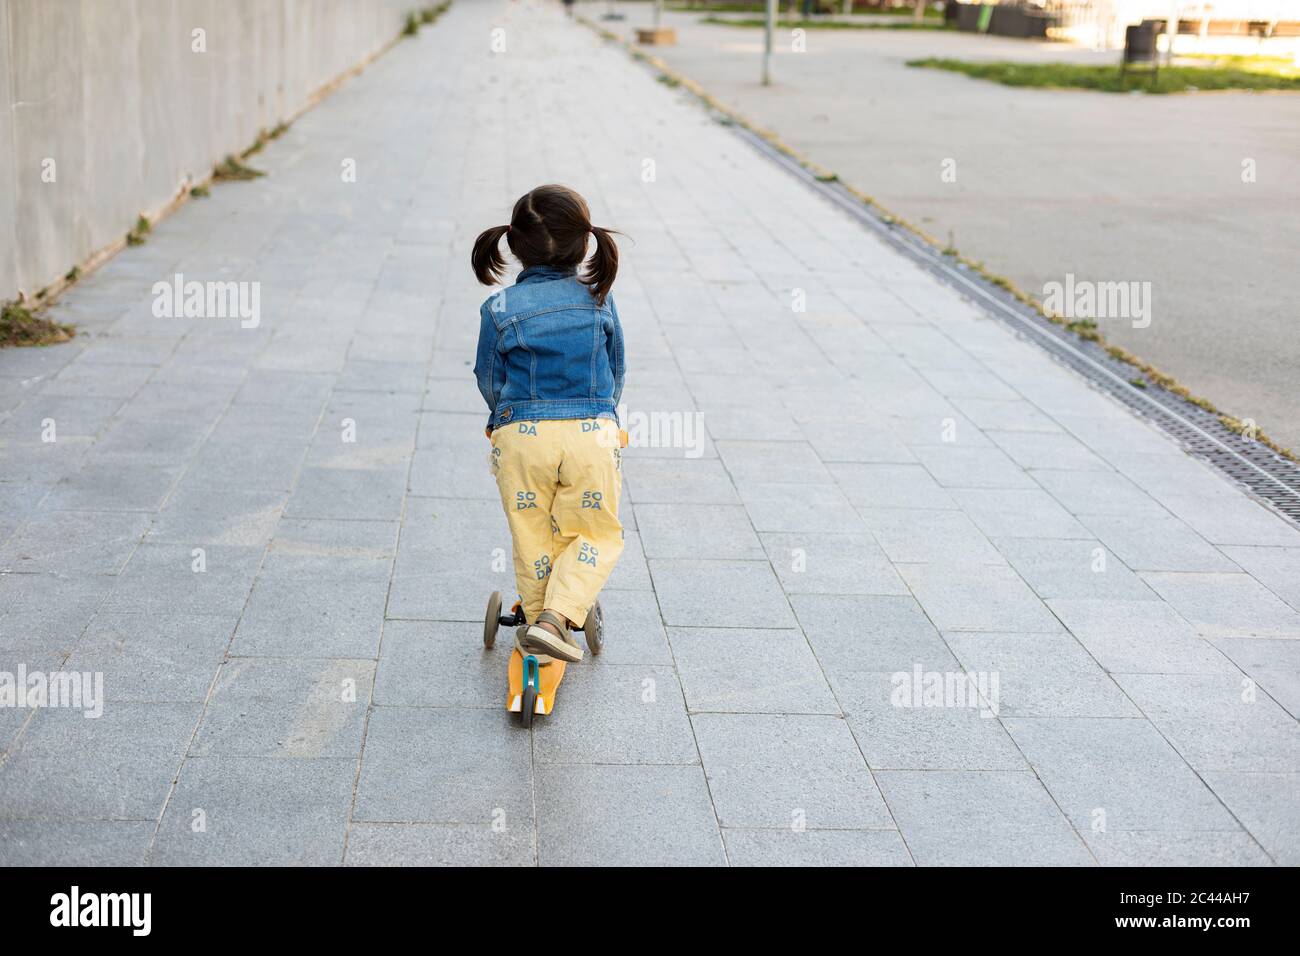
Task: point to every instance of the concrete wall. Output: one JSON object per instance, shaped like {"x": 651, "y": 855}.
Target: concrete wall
{"x": 112, "y": 92}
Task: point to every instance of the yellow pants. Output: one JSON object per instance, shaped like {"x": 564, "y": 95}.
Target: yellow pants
{"x": 560, "y": 482}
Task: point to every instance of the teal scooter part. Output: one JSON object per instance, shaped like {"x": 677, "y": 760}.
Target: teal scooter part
{"x": 528, "y": 703}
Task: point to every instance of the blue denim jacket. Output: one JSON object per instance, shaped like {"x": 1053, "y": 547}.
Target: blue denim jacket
{"x": 547, "y": 350}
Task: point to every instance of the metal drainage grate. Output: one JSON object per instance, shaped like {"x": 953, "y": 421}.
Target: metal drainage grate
{"x": 1250, "y": 464}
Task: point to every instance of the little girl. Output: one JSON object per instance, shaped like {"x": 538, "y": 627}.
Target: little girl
{"x": 550, "y": 367}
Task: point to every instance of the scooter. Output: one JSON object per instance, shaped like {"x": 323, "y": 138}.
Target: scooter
{"x": 533, "y": 683}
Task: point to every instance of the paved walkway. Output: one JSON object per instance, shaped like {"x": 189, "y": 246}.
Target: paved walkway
{"x": 889, "y": 483}
{"x": 1049, "y": 182}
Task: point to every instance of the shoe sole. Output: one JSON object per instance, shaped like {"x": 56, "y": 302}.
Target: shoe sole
{"x": 557, "y": 647}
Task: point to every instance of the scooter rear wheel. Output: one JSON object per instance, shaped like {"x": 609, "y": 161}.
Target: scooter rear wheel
{"x": 593, "y": 629}
{"x": 492, "y": 620}
{"x": 528, "y": 706}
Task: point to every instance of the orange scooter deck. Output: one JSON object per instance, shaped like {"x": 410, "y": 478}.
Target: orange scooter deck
{"x": 548, "y": 679}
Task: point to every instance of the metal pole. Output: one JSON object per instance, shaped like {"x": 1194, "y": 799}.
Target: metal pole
{"x": 767, "y": 43}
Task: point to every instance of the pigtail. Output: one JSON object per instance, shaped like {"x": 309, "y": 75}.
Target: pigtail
{"x": 489, "y": 265}
{"x": 603, "y": 267}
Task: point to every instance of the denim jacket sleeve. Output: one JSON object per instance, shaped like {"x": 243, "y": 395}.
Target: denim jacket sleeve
{"x": 487, "y": 364}
{"x": 614, "y": 345}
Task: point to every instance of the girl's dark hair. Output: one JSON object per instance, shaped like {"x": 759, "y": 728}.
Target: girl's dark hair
{"x": 549, "y": 227}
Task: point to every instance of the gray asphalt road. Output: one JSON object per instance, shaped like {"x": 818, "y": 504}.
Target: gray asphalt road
{"x": 1106, "y": 187}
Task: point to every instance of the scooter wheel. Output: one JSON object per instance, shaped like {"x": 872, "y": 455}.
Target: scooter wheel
{"x": 492, "y": 620}
{"x": 593, "y": 629}
{"x": 529, "y": 706}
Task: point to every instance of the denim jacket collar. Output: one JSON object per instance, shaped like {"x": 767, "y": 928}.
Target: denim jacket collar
{"x": 542, "y": 273}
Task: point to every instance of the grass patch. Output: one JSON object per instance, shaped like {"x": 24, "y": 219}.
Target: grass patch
{"x": 19, "y": 326}
{"x": 1107, "y": 79}
{"x": 142, "y": 228}
{"x": 264, "y": 137}
{"x": 1272, "y": 65}
{"x": 200, "y": 192}
{"x": 927, "y": 24}
{"x": 1085, "y": 329}
{"x": 232, "y": 170}
{"x": 423, "y": 17}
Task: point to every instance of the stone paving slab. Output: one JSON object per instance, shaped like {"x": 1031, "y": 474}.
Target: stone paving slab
{"x": 434, "y": 844}
{"x": 119, "y": 766}
{"x": 1265, "y": 804}
{"x": 980, "y": 818}
{"x": 275, "y": 544}
{"x": 717, "y": 669}
{"x": 433, "y": 765}
{"x": 788, "y": 770}
{"x": 256, "y": 812}
{"x": 894, "y": 737}
{"x": 816, "y": 848}
{"x": 1163, "y": 848}
{"x": 168, "y": 658}
{"x": 75, "y": 843}
{"x": 626, "y": 816}
{"x": 1117, "y": 774}
{"x": 1217, "y": 721}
